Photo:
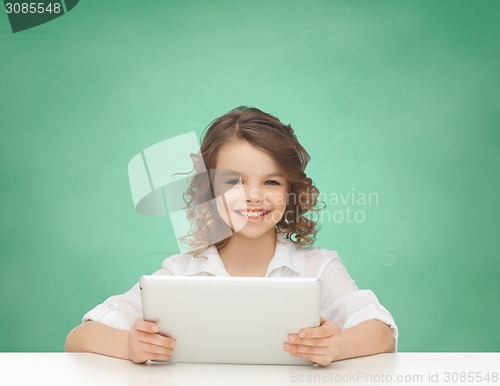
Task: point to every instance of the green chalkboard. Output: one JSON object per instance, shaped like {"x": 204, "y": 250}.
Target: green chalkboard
{"x": 397, "y": 103}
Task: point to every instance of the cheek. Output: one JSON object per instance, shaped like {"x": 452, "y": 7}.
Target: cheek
{"x": 224, "y": 207}
{"x": 232, "y": 195}
{"x": 279, "y": 200}
{"x": 227, "y": 202}
{"x": 235, "y": 195}
{"x": 219, "y": 205}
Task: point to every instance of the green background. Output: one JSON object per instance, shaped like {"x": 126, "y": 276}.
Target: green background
{"x": 397, "y": 99}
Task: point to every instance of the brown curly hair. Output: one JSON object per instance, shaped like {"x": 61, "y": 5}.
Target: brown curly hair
{"x": 270, "y": 135}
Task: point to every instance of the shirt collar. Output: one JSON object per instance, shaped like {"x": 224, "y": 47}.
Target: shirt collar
{"x": 285, "y": 255}
{"x": 207, "y": 261}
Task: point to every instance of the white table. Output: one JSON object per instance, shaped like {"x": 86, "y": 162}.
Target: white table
{"x": 70, "y": 369}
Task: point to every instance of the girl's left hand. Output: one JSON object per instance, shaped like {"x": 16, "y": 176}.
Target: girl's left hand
{"x": 320, "y": 344}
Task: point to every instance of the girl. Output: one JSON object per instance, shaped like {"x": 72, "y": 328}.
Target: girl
{"x": 264, "y": 198}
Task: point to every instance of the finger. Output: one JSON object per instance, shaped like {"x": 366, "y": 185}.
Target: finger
{"x": 323, "y": 342}
{"x": 144, "y": 356}
{"x": 154, "y": 349}
{"x": 300, "y": 349}
{"x": 322, "y": 357}
{"x": 319, "y": 359}
{"x": 325, "y": 329}
{"x": 143, "y": 325}
{"x": 156, "y": 339}
{"x": 158, "y": 357}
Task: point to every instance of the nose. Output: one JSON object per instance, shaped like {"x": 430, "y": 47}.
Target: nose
{"x": 253, "y": 194}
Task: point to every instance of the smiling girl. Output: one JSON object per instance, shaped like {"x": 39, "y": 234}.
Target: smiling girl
{"x": 263, "y": 202}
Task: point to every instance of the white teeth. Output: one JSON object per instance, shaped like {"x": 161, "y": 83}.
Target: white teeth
{"x": 252, "y": 214}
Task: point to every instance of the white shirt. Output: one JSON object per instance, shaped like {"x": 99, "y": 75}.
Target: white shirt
{"x": 342, "y": 302}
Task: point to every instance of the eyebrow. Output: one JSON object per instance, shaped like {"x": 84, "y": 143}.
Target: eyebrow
{"x": 276, "y": 174}
{"x": 230, "y": 172}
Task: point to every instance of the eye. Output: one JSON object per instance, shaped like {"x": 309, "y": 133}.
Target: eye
{"x": 271, "y": 182}
{"x": 234, "y": 182}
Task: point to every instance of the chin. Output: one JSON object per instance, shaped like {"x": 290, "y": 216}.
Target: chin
{"x": 254, "y": 234}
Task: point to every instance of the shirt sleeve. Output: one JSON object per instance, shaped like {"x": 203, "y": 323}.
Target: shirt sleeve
{"x": 346, "y": 305}
{"x": 120, "y": 311}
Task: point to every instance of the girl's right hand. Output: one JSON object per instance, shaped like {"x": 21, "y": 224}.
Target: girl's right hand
{"x": 145, "y": 343}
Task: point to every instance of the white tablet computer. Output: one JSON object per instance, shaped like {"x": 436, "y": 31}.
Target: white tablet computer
{"x": 244, "y": 320}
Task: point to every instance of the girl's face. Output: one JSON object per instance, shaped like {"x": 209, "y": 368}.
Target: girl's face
{"x": 250, "y": 189}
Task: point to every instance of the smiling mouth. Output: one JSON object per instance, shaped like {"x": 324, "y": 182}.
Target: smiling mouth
{"x": 252, "y": 214}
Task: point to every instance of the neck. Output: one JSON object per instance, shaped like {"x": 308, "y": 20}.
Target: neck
{"x": 248, "y": 257}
